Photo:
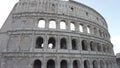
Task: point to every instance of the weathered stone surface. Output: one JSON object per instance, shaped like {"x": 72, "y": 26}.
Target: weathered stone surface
{"x": 84, "y": 42}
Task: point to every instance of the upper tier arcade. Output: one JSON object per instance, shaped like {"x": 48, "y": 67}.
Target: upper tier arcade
{"x": 60, "y": 7}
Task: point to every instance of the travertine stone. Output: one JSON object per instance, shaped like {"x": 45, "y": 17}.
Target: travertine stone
{"x": 23, "y": 44}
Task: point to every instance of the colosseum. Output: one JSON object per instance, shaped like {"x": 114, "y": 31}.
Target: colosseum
{"x": 55, "y": 34}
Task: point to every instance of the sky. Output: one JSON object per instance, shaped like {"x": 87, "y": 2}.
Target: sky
{"x": 109, "y": 9}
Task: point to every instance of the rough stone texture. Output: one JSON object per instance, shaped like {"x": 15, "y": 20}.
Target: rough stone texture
{"x": 18, "y": 36}
{"x": 118, "y": 59}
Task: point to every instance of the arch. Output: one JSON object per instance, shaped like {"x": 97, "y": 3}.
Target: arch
{"x": 52, "y": 24}
{"x": 72, "y": 26}
{"x": 37, "y": 64}
{"x": 107, "y": 64}
{"x": 39, "y": 42}
{"x": 62, "y": 25}
{"x": 51, "y": 43}
{"x": 75, "y": 64}
{"x": 104, "y": 48}
{"x": 88, "y": 29}
{"x": 102, "y": 65}
{"x": 100, "y": 33}
{"x": 84, "y": 45}
{"x": 95, "y": 31}
{"x": 51, "y": 64}
{"x": 86, "y": 64}
{"x": 41, "y": 23}
{"x": 95, "y": 65}
{"x": 92, "y": 46}
{"x": 63, "y": 44}
{"x": 63, "y": 64}
{"x": 74, "y": 44}
{"x": 81, "y": 27}
{"x": 99, "y": 47}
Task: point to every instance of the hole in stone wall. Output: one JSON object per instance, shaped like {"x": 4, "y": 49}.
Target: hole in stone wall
{"x": 63, "y": 44}
{"x": 95, "y": 64}
{"x": 37, "y": 64}
{"x": 81, "y": 28}
{"x": 92, "y": 46}
{"x": 39, "y": 42}
{"x": 75, "y": 64}
{"x": 51, "y": 43}
{"x": 86, "y": 13}
{"x": 50, "y": 64}
{"x": 41, "y": 23}
{"x": 63, "y": 64}
{"x": 52, "y": 24}
{"x": 86, "y": 64}
{"x": 72, "y": 26}
{"x": 74, "y": 45}
{"x": 88, "y": 29}
{"x": 84, "y": 45}
{"x": 62, "y": 25}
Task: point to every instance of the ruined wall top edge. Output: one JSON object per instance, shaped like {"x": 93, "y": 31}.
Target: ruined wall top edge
{"x": 60, "y": 7}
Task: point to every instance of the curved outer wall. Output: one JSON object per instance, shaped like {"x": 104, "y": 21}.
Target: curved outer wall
{"x": 23, "y": 43}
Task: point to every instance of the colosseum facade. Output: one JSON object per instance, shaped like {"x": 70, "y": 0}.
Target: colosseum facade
{"x": 55, "y": 34}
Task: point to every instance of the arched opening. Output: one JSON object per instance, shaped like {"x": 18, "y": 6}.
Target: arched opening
{"x": 81, "y": 28}
{"x": 86, "y": 64}
{"x": 84, "y": 45}
{"x": 92, "y": 46}
{"x": 95, "y": 65}
{"x": 51, "y": 43}
{"x": 72, "y": 26}
{"x": 39, "y": 42}
{"x": 107, "y": 64}
{"x": 74, "y": 44}
{"x": 95, "y": 31}
{"x": 50, "y": 64}
{"x": 62, "y": 25}
{"x": 102, "y": 65}
{"x": 88, "y": 29}
{"x": 104, "y": 48}
{"x": 52, "y": 24}
{"x": 63, "y": 64}
{"x": 75, "y": 64}
{"x": 99, "y": 47}
{"x": 63, "y": 44}
{"x": 41, "y": 23}
{"x": 100, "y": 33}
{"x": 37, "y": 64}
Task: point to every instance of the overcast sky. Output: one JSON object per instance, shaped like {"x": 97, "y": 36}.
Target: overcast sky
{"x": 109, "y": 9}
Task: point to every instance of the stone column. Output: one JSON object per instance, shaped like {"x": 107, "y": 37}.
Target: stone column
{"x": 45, "y": 41}
{"x": 77, "y": 27}
{"x": 58, "y": 42}
{"x": 57, "y": 25}
{"x": 84, "y": 28}
{"x": 70, "y": 65}
{"x": 69, "y": 46}
{"x": 47, "y": 24}
{"x": 57, "y": 62}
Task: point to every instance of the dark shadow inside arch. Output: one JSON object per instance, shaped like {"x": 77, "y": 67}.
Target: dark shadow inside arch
{"x": 75, "y": 64}
{"x": 92, "y": 46}
{"x": 102, "y": 65}
{"x": 74, "y": 44}
{"x": 50, "y": 64}
{"x": 37, "y": 64}
{"x": 63, "y": 64}
{"x": 86, "y": 64}
{"x": 51, "y": 43}
{"x": 84, "y": 45}
{"x": 63, "y": 44}
{"x": 95, "y": 65}
{"x": 39, "y": 42}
